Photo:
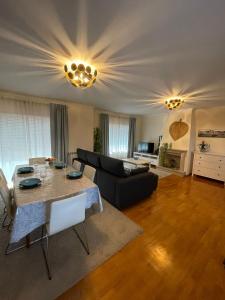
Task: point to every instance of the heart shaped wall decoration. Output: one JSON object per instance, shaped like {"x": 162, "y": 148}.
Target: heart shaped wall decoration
{"x": 178, "y": 129}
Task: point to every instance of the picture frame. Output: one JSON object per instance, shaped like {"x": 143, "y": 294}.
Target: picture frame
{"x": 211, "y": 133}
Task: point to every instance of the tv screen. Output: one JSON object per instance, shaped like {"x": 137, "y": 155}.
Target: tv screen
{"x": 146, "y": 147}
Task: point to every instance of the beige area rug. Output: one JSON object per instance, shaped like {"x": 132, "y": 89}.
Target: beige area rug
{"x": 160, "y": 173}
{"x": 23, "y": 274}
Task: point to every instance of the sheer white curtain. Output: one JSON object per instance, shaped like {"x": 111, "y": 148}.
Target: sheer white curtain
{"x": 24, "y": 133}
{"x": 118, "y": 136}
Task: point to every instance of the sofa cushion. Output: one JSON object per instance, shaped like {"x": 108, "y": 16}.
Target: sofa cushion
{"x": 93, "y": 159}
{"x": 113, "y": 166}
{"x": 139, "y": 170}
{"x": 82, "y": 154}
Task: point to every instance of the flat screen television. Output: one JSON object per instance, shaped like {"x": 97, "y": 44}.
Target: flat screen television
{"x": 146, "y": 147}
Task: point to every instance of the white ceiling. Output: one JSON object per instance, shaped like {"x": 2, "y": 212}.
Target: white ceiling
{"x": 145, "y": 50}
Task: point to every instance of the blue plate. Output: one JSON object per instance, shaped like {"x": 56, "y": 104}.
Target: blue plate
{"x": 25, "y": 170}
{"x": 29, "y": 183}
{"x": 74, "y": 175}
{"x": 60, "y": 165}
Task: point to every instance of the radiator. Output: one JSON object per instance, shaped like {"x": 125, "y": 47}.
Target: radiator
{"x": 70, "y": 156}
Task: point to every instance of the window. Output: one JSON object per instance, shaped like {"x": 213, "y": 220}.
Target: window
{"x": 24, "y": 133}
{"x": 118, "y": 136}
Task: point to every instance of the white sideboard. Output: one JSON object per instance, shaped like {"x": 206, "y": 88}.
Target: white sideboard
{"x": 150, "y": 158}
{"x": 211, "y": 165}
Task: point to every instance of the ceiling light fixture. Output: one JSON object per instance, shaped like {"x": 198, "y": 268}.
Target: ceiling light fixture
{"x": 80, "y": 74}
{"x": 173, "y": 103}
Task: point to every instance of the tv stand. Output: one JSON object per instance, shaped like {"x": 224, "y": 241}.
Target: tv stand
{"x": 151, "y": 158}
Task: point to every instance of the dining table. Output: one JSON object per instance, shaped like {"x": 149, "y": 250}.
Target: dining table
{"x": 33, "y": 205}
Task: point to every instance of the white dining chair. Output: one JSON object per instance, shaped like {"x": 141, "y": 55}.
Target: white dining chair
{"x": 2, "y": 175}
{"x": 6, "y": 196}
{"x": 77, "y": 165}
{"x": 65, "y": 214}
{"x": 89, "y": 172}
{"x": 37, "y": 161}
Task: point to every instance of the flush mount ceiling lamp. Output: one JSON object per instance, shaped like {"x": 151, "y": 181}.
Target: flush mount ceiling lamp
{"x": 173, "y": 103}
{"x": 80, "y": 74}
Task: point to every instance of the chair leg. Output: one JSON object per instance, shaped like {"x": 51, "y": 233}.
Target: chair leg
{"x": 85, "y": 242}
{"x": 8, "y": 251}
{"x": 45, "y": 253}
{"x": 4, "y": 220}
{"x": 6, "y": 225}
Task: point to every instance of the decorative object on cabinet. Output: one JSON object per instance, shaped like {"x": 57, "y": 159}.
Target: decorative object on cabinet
{"x": 204, "y": 147}
{"x": 178, "y": 129}
{"x": 211, "y": 165}
{"x": 211, "y": 133}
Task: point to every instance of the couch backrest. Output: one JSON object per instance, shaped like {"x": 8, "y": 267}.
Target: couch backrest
{"x": 82, "y": 154}
{"x": 89, "y": 157}
{"x": 113, "y": 166}
{"x": 93, "y": 159}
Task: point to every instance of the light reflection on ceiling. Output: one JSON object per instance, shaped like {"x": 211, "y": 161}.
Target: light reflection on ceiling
{"x": 144, "y": 53}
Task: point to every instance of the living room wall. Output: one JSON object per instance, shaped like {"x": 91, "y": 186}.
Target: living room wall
{"x": 211, "y": 118}
{"x": 200, "y": 118}
{"x": 81, "y": 119}
{"x": 152, "y": 127}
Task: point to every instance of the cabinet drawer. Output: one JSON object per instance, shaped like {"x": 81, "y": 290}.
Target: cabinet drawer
{"x": 214, "y": 174}
{"x": 209, "y": 158}
{"x": 209, "y": 165}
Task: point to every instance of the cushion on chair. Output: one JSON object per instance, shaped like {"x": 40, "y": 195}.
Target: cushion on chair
{"x": 113, "y": 166}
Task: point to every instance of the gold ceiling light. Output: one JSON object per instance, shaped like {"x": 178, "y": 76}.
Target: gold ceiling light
{"x": 80, "y": 74}
{"x": 173, "y": 103}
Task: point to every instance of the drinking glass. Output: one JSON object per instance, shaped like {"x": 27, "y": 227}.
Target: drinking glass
{"x": 43, "y": 173}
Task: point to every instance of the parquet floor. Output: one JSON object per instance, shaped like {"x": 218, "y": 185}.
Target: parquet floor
{"x": 179, "y": 255}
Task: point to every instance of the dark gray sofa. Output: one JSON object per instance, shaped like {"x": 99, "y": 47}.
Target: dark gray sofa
{"x": 116, "y": 185}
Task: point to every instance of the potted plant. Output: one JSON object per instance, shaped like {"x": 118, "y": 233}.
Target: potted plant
{"x": 162, "y": 154}
{"x": 203, "y": 147}
{"x": 97, "y": 140}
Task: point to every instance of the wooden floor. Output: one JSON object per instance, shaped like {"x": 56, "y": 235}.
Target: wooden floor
{"x": 179, "y": 255}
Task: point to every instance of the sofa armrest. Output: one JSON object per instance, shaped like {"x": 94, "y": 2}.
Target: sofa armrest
{"x": 134, "y": 188}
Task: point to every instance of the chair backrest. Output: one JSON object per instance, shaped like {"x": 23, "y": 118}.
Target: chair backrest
{"x": 89, "y": 172}
{"x": 77, "y": 165}
{"x": 66, "y": 213}
{"x": 5, "y": 194}
{"x": 3, "y": 175}
{"x": 37, "y": 160}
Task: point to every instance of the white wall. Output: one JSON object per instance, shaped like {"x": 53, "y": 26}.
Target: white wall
{"x": 201, "y": 118}
{"x": 184, "y": 143}
{"x": 81, "y": 119}
{"x": 186, "y": 116}
{"x": 211, "y": 118}
{"x": 153, "y": 127}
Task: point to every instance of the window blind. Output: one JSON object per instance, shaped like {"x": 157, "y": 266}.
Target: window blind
{"x": 24, "y": 133}
{"x": 118, "y": 136}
